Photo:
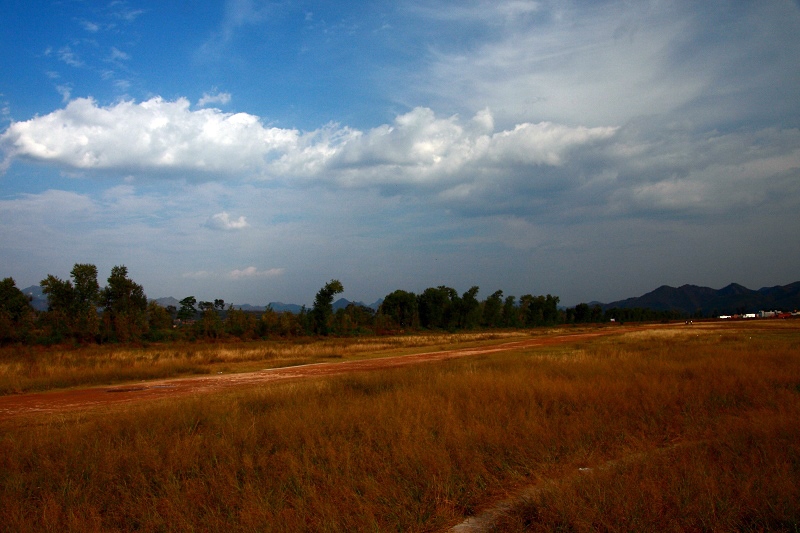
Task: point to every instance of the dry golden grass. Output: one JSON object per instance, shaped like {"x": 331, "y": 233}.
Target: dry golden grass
{"x": 26, "y": 368}
{"x": 417, "y": 449}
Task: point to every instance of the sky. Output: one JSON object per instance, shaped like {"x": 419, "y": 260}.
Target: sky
{"x": 252, "y": 151}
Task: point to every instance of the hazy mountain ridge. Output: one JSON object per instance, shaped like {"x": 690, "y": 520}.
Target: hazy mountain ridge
{"x": 731, "y": 299}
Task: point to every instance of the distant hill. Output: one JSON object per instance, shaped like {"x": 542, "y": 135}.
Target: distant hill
{"x": 279, "y": 307}
{"x": 38, "y": 298}
{"x": 166, "y": 302}
{"x": 728, "y": 300}
{"x": 342, "y": 303}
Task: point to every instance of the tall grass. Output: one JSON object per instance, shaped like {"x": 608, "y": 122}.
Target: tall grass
{"x": 417, "y": 449}
{"x": 36, "y": 368}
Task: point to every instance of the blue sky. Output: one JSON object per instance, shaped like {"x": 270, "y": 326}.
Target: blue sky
{"x": 252, "y": 150}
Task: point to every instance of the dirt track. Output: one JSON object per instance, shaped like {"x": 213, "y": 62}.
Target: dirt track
{"x": 97, "y": 397}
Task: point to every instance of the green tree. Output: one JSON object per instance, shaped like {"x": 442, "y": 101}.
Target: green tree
{"x": 86, "y": 296}
{"x": 401, "y": 308}
{"x": 510, "y": 312}
{"x": 240, "y": 323}
{"x": 582, "y": 313}
{"x": 15, "y": 312}
{"x": 125, "y": 307}
{"x": 209, "y": 325}
{"x": 187, "y": 310}
{"x": 159, "y": 321}
{"x": 322, "y": 311}
{"x": 13, "y": 301}
{"x": 437, "y": 307}
{"x": 527, "y": 310}
{"x": 72, "y": 305}
{"x": 539, "y": 310}
{"x": 60, "y": 294}
{"x": 354, "y": 319}
{"x": 493, "y": 310}
{"x": 58, "y": 321}
{"x": 469, "y": 309}
{"x": 550, "y": 312}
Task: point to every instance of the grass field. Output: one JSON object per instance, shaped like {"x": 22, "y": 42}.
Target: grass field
{"x": 38, "y": 368}
{"x": 674, "y": 429}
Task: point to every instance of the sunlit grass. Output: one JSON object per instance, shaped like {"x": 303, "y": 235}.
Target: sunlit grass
{"x": 709, "y": 420}
{"x": 29, "y": 368}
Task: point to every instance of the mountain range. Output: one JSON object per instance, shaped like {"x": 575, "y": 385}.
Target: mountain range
{"x": 729, "y": 300}
{"x": 688, "y": 299}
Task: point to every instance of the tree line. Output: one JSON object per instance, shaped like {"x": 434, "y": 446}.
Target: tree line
{"x": 80, "y": 311}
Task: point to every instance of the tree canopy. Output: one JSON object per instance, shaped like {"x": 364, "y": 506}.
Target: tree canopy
{"x": 322, "y": 311}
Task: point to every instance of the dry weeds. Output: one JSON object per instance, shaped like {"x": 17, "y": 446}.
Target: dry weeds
{"x": 25, "y": 368}
{"x": 418, "y": 449}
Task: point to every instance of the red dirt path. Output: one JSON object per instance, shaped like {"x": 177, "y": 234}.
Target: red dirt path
{"x": 97, "y": 397}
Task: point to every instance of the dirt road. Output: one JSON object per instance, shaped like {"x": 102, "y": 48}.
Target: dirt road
{"x": 98, "y": 397}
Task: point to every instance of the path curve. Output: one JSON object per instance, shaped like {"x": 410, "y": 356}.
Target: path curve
{"x": 60, "y": 401}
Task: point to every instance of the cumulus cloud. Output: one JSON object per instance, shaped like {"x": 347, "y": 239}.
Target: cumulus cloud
{"x": 421, "y": 148}
{"x": 154, "y": 134}
{"x": 223, "y": 221}
{"x": 215, "y": 98}
{"x": 253, "y": 272}
{"x": 531, "y": 170}
{"x": 157, "y": 135}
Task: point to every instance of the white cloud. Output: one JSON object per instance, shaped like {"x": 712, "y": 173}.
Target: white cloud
{"x": 200, "y": 274}
{"x": 611, "y": 62}
{"x": 253, "y": 272}
{"x": 215, "y": 98}
{"x": 223, "y": 221}
{"x": 420, "y": 148}
{"x": 154, "y": 134}
{"x": 533, "y": 170}
{"x": 158, "y": 135}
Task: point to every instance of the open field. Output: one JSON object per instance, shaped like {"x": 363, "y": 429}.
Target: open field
{"x": 670, "y": 428}
{"x": 36, "y": 368}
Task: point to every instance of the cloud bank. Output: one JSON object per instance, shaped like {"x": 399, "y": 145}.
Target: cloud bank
{"x": 539, "y": 170}
{"x": 161, "y": 135}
